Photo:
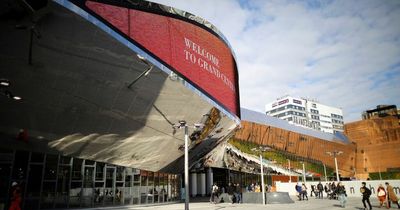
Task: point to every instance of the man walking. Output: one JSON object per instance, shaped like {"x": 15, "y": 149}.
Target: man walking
{"x": 230, "y": 192}
{"x": 366, "y": 193}
{"x": 320, "y": 189}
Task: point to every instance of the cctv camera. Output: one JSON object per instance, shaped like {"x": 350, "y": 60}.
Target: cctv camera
{"x": 198, "y": 125}
{"x": 182, "y": 122}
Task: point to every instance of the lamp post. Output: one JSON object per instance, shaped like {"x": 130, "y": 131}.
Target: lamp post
{"x": 334, "y": 154}
{"x": 326, "y": 179}
{"x": 304, "y": 172}
{"x": 290, "y": 176}
{"x": 183, "y": 124}
{"x": 260, "y": 150}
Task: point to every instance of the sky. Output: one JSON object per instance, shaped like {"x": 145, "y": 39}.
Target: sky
{"x": 343, "y": 53}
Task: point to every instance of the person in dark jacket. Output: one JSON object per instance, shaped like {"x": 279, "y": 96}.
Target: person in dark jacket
{"x": 366, "y": 193}
{"x": 230, "y": 190}
{"x": 320, "y": 189}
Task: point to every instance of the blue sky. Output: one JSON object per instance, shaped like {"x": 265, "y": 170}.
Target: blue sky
{"x": 344, "y": 53}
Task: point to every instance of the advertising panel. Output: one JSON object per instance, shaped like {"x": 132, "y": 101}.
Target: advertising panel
{"x": 196, "y": 54}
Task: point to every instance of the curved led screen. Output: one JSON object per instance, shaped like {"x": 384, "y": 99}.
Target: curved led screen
{"x": 188, "y": 48}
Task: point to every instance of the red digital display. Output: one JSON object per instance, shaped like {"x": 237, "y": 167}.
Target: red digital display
{"x": 192, "y": 51}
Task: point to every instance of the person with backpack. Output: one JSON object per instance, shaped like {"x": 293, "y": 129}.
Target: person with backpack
{"x": 366, "y": 193}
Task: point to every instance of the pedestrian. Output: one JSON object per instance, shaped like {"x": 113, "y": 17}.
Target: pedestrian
{"x": 304, "y": 191}
{"x": 342, "y": 196}
{"x": 214, "y": 193}
{"x": 15, "y": 203}
{"x": 298, "y": 190}
{"x": 381, "y": 195}
{"x": 238, "y": 193}
{"x": 320, "y": 189}
{"x": 366, "y": 193}
{"x": 313, "y": 191}
{"x": 230, "y": 190}
{"x": 391, "y": 195}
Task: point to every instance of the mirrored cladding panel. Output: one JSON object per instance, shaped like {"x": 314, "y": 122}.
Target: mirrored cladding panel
{"x": 73, "y": 83}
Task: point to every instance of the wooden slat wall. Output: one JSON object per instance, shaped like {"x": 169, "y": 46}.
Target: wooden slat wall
{"x": 299, "y": 144}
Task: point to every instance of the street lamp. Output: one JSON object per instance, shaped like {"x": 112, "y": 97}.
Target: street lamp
{"x": 144, "y": 73}
{"x": 261, "y": 149}
{"x": 290, "y": 176}
{"x": 304, "y": 172}
{"x": 326, "y": 179}
{"x": 183, "y": 124}
{"x": 334, "y": 154}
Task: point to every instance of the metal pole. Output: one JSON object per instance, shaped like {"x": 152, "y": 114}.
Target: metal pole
{"x": 290, "y": 176}
{"x": 337, "y": 170}
{"x": 380, "y": 175}
{"x": 326, "y": 179}
{"x": 304, "y": 173}
{"x": 186, "y": 169}
{"x": 262, "y": 180}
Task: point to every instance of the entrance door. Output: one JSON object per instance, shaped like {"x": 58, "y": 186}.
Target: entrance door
{"x": 88, "y": 187}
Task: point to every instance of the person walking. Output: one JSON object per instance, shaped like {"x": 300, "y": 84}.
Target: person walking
{"x": 366, "y": 193}
{"x": 342, "y": 196}
{"x": 304, "y": 191}
{"x": 238, "y": 193}
{"x": 230, "y": 190}
{"x": 381, "y": 195}
{"x": 298, "y": 190}
{"x": 391, "y": 195}
{"x": 214, "y": 193}
{"x": 15, "y": 203}
{"x": 320, "y": 189}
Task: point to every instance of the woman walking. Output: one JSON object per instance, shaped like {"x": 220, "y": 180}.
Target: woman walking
{"x": 341, "y": 191}
{"x": 381, "y": 195}
{"x": 391, "y": 195}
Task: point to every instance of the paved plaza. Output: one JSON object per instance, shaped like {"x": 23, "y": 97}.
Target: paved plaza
{"x": 312, "y": 204}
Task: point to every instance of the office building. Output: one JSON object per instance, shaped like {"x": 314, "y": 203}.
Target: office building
{"x": 307, "y": 113}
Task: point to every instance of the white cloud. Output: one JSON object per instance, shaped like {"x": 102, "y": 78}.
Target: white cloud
{"x": 344, "y": 53}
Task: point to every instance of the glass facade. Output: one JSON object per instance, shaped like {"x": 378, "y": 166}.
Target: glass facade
{"x": 51, "y": 181}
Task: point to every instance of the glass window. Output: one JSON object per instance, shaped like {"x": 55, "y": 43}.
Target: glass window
{"x": 37, "y": 157}
{"x": 77, "y": 169}
{"x": 5, "y": 169}
{"x": 6, "y": 155}
{"x": 20, "y": 165}
{"x": 51, "y": 167}
{"x": 48, "y": 194}
{"x": 65, "y": 160}
{"x": 89, "y": 162}
{"x": 120, "y": 172}
{"x": 100, "y": 171}
{"x": 34, "y": 180}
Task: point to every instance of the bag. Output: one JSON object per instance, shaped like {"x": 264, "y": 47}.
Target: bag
{"x": 381, "y": 193}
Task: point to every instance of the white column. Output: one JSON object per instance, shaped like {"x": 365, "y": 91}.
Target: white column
{"x": 201, "y": 184}
{"x": 193, "y": 185}
{"x": 186, "y": 168}
{"x": 210, "y": 180}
